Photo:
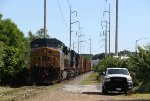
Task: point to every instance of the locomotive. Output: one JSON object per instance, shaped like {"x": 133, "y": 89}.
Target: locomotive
{"x": 51, "y": 61}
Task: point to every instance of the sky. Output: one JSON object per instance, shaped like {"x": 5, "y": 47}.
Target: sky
{"x": 133, "y": 23}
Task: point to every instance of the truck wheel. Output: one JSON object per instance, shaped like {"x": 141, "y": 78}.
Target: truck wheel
{"x": 104, "y": 91}
{"x": 126, "y": 92}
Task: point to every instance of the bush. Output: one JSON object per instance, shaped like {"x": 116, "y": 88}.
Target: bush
{"x": 111, "y": 62}
{"x": 139, "y": 66}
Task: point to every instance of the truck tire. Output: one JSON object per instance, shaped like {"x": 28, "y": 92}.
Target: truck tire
{"x": 104, "y": 91}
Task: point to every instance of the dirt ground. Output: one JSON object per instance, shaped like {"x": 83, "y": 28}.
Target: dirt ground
{"x": 73, "y": 91}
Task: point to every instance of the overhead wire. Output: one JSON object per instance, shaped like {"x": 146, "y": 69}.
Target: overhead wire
{"x": 103, "y": 8}
{"x": 68, "y": 2}
{"x": 62, "y": 14}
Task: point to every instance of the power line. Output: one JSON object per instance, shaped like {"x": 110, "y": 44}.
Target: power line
{"x": 62, "y": 14}
{"x": 68, "y": 3}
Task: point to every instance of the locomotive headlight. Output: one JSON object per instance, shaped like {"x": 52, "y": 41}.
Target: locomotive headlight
{"x": 44, "y": 51}
{"x": 36, "y": 65}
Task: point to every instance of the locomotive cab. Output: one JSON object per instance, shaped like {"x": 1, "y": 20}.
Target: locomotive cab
{"x": 46, "y": 60}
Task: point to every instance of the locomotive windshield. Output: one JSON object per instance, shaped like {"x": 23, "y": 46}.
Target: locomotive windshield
{"x": 54, "y": 43}
{"x": 37, "y": 45}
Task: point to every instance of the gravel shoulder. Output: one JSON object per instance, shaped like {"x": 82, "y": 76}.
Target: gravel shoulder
{"x": 74, "y": 91}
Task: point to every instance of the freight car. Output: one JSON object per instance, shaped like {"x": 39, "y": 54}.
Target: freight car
{"x": 51, "y": 61}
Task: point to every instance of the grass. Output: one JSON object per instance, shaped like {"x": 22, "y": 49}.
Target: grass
{"x": 21, "y": 92}
{"x": 137, "y": 97}
{"x": 56, "y": 86}
{"x": 91, "y": 79}
{"x": 5, "y": 89}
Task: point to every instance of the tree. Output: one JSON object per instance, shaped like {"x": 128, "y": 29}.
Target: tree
{"x": 99, "y": 56}
{"x": 14, "y": 48}
{"x": 88, "y": 56}
{"x": 2, "y": 47}
{"x": 1, "y": 16}
{"x": 37, "y": 35}
{"x": 40, "y": 34}
{"x": 31, "y": 37}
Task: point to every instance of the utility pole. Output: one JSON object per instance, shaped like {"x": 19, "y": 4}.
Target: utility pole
{"x": 73, "y": 45}
{"x": 79, "y": 37}
{"x": 70, "y": 27}
{"x": 44, "y": 18}
{"x": 109, "y": 26}
{"x": 106, "y": 41}
{"x": 71, "y": 23}
{"x": 90, "y": 45}
{"x": 116, "y": 36}
{"x": 109, "y": 29}
{"x": 105, "y": 38}
{"x": 78, "y": 41}
{"x": 81, "y": 41}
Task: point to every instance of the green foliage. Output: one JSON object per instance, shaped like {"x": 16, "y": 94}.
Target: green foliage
{"x": 99, "y": 56}
{"x": 2, "y": 46}
{"x": 31, "y": 37}
{"x": 110, "y": 62}
{"x": 1, "y": 16}
{"x": 14, "y": 51}
{"x": 88, "y": 56}
{"x": 140, "y": 68}
{"x": 40, "y": 34}
{"x": 9, "y": 33}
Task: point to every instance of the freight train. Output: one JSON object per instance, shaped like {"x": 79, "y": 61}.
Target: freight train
{"x": 51, "y": 61}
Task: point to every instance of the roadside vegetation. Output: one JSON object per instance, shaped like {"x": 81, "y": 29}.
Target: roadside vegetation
{"x": 138, "y": 65}
{"x": 14, "y": 53}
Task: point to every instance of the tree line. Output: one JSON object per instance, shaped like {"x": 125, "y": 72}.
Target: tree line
{"x": 14, "y": 53}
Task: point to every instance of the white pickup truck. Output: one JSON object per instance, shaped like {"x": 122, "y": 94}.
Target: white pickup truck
{"x": 116, "y": 79}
